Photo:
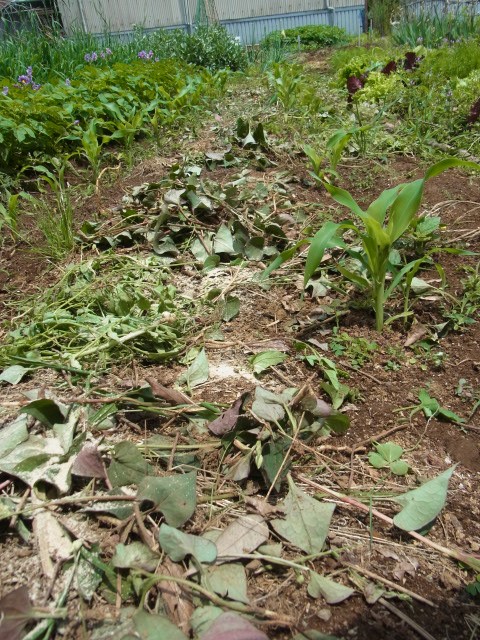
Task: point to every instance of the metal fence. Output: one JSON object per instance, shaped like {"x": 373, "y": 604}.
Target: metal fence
{"x": 250, "y": 20}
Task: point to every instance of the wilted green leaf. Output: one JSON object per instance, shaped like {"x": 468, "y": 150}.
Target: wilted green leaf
{"x": 230, "y": 626}
{"x": 268, "y": 405}
{"x": 267, "y": 359}
{"x": 203, "y": 617}
{"x": 174, "y": 496}
{"x": 421, "y": 506}
{"x": 13, "y": 374}
{"x": 177, "y": 545}
{"x": 128, "y": 465}
{"x": 228, "y": 580}
{"x": 306, "y": 520}
{"x": 12, "y": 435}
{"x": 197, "y": 372}
{"x": 135, "y": 555}
{"x": 45, "y": 411}
{"x": 223, "y": 242}
{"x": 333, "y": 592}
{"x": 88, "y": 575}
{"x": 150, "y": 626}
{"x": 232, "y": 307}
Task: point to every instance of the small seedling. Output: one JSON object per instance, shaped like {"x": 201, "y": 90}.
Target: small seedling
{"x": 432, "y": 408}
{"x": 387, "y": 456}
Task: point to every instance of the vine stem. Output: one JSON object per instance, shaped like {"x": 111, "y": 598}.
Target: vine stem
{"x": 153, "y": 578}
{"x": 460, "y": 556}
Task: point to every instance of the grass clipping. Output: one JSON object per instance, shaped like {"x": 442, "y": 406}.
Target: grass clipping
{"x": 107, "y": 308}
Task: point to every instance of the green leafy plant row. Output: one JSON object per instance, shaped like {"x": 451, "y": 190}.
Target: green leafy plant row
{"x": 53, "y": 56}
{"x": 96, "y": 106}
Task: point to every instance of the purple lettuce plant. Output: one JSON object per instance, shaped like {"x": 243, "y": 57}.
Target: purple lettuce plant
{"x": 389, "y": 68}
{"x": 474, "y": 112}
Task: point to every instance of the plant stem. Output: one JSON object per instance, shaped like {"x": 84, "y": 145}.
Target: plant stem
{"x": 379, "y": 304}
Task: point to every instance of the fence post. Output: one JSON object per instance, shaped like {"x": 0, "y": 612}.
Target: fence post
{"x": 184, "y": 10}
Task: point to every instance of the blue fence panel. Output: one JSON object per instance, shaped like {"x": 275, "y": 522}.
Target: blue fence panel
{"x": 252, "y": 30}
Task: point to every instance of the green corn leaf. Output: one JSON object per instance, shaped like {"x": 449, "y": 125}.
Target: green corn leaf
{"x": 378, "y": 208}
{"x": 363, "y": 283}
{"x": 343, "y": 197}
{"x": 404, "y": 208}
{"x": 321, "y": 240}
{"x": 414, "y": 265}
{"x": 448, "y": 163}
{"x": 280, "y": 259}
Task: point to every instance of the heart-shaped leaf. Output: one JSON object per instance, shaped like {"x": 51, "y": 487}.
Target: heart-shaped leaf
{"x": 421, "y": 506}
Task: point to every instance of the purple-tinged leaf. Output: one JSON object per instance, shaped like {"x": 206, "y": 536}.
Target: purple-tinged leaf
{"x": 411, "y": 61}
{"x": 15, "y": 612}
{"x": 389, "y": 68}
{"x": 474, "y": 112}
{"x": 230, "y": 626}
{"x": 89, "y": 463}
{"x": 354, "y": 84}
{"x": 227, "y": 421}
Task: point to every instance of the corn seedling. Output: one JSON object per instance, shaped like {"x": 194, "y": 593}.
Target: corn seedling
{"x": 384, "y": 222}
{"x": 378, "y": 229}
{"x": 9, "y": 211}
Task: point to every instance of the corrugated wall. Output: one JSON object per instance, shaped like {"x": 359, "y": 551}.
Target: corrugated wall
{"x": 98, "y": 16}
{"x": 250, "y": 20}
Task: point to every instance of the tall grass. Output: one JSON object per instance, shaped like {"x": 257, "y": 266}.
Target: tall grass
{"x": 434, "y": 28}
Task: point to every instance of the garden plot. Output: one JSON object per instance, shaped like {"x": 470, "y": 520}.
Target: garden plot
{"x": 257, "y": 457}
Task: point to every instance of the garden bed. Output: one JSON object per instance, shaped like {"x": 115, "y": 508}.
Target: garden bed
{"x": 126, "y": 418}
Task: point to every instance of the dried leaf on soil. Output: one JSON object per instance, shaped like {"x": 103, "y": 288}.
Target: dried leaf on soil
{"x": 53, "y": 542}
{"x": 242, "y": 536}
{"x": 227, "y": 421}
{"x": 89, "y": 463}
{"x": 333, "y": 592}
{"x": 15, "y": 612}
{"x": 171, "y": 396}
{"x": 228, "y": 581}
{"x": 135, "y": 555}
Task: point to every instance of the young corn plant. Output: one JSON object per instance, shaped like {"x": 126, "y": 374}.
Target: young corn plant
{"x": 377, "y": 230}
